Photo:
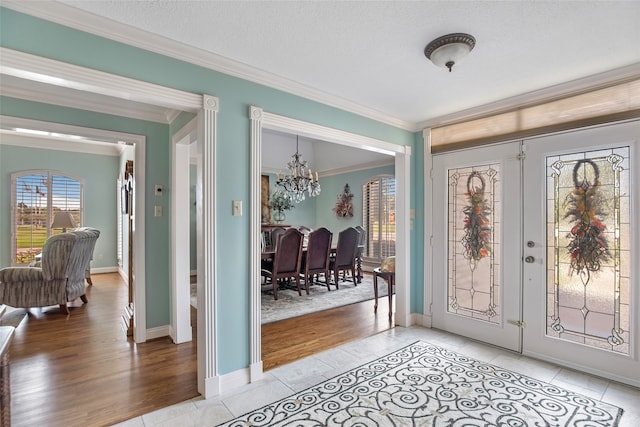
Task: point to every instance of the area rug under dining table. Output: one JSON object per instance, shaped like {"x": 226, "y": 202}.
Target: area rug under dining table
{"x": 290, "y": 304}
{"x": 425, "y": 385}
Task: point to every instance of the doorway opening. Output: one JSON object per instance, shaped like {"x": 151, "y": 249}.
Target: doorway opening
{"x": 401, "y": 154}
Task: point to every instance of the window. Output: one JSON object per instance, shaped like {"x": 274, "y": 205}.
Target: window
{"x": 37, "y": 196}
{"x": 379, "y": 217}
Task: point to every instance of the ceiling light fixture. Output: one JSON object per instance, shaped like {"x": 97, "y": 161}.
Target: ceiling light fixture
{"x": 446, "y": 51}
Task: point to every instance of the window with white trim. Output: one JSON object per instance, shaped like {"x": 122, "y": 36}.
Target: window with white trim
{"x": 379, "y": 217}
{"x": 36, "y": 197}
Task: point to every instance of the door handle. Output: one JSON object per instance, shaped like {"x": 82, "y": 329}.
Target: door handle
{"x": 529, "y": 259}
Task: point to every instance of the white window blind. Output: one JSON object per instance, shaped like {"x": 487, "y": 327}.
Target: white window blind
{"x": 379, "y": 217}
{"x": 37, "y": 196}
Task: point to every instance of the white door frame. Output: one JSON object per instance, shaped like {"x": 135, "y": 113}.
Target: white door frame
{"x": 35, "y": 68}
{"x": 260, "y": 119}
{"x": 181, "y": 330}
{"x": 139, "y": 143}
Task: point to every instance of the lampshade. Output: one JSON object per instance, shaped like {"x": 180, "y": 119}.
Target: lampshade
{"x": 446, "y": 51}
{"x": 63, "y": 220}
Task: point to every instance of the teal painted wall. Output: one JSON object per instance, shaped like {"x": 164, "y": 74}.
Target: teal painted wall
{"x": 303, "y": 213}
{"x": 35, "y": 36}
{"x": 99, "y": 174}
{"x": 157, "y": 172}
{"x": 317, "y": 211}
{"x": 334, "y": 185}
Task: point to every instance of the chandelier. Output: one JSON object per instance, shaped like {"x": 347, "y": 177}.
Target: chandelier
{"x": 299, "y": 180}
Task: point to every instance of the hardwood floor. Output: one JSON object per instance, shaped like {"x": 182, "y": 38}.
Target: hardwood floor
{"x": 81, "y": 369}
{"x": 292, "y": 339}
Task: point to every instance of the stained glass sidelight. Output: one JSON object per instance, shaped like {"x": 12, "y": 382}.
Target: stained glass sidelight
{"x": 588, "y": 248}
{"x": 473, "y": 242}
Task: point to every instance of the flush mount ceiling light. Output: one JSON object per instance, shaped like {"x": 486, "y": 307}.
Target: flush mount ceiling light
{"x": 446, "y": 51}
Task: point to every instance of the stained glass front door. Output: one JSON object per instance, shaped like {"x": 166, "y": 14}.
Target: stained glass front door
{"x": 476, "y": 255}
{"x": 582, "y": 272}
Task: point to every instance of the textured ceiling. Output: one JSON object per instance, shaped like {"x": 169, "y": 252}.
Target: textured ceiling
{"x": 371, "y": 53}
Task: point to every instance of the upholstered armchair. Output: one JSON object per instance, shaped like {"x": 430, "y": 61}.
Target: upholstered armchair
{"x": 65, "y": 259}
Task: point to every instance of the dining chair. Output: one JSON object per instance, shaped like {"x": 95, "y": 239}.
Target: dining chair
{"x": 275, "y": 235}
{"x": 345, "y": 258}
{"x": 305, "y": 232}
{"x": 316, "y": 257}
{"x": 286, "y": 261}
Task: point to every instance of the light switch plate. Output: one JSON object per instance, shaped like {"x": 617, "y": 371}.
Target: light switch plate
{"x": 236, "y": 208}
{"x": 157, "y": 210}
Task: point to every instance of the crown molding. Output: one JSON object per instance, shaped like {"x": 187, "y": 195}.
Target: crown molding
{"x": 80, "y": 20}
{"x": 340, "y": 171}
{"x": 82, "y": 101}
{"x": 58, "y": 144}
{"x": 551, "y": 93}
{"x": 360, "y": 167}
{"x": 64, "y": 132}
{"x": 32, "y": 67}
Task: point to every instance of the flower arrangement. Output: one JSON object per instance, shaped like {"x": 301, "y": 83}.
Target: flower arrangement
{"x": 280, "y": 201}
{"x": 343, "y": 207}
{"x": 477, "y": 226}
{"x": 588, "y": 246}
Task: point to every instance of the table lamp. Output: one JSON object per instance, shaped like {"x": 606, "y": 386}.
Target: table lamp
{"x": 63, "y": 220}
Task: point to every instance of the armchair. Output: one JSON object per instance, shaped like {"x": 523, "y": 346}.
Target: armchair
{"x": 65, "y": 259}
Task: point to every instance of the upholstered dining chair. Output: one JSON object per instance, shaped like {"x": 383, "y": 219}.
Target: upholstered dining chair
{"x": 345, "y": 258}
{"x": 316, "y": 259}
{"x": 305, "y": 232}
{"x": 275, "y": 235}
{"x": 286, "y": 261}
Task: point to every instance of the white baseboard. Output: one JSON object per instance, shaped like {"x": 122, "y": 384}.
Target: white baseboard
{"x": 98, "y": 270}
{"x": 255, "y": 372}
{"x": 421, "y": 320}
{"x": 211, "y": 387}
{"x": 158, "y": 332}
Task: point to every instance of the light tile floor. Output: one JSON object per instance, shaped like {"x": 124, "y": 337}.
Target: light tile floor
{"x": 286, "y": 380}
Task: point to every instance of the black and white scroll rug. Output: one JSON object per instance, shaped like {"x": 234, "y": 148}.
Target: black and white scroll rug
{"x": 425, "y": 385}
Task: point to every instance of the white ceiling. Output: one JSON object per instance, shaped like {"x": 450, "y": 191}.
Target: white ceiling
{"x": 365, "y": 56}
{"x": 370, "y": 53}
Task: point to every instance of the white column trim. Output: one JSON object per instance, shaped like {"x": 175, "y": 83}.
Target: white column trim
{"x": 181, "y": 330}
{"x": 208, "y": 381}
{"x": 403, "y": 246}
{"x": 428, "y": 227}
{"x": 255, "y": 363}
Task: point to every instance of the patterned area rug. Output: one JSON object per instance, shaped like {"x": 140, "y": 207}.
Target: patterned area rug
{"x": 289, "y": 304}
{"x": 425, "y": 385}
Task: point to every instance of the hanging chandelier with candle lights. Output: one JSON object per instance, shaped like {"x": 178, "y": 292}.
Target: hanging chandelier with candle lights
{"x": 300, "y": 179}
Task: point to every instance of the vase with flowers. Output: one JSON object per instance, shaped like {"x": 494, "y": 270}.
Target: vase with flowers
{"x": 279, "y": 203}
